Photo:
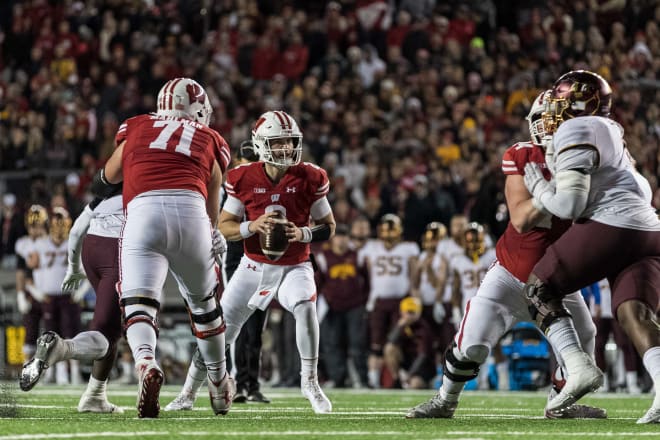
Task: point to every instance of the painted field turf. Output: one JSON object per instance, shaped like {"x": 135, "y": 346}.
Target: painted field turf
{"x": 49, "y": 412}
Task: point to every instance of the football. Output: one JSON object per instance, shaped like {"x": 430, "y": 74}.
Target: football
{"x": 275, "y": 243}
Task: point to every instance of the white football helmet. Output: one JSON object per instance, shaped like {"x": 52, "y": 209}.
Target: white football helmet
{"x": 184, "y": 98}
{"x": 277, "y": 125}
{"x": 534, "y": 119}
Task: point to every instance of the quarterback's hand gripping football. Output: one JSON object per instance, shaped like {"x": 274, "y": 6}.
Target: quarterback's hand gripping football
{"x": 72, "y": 279}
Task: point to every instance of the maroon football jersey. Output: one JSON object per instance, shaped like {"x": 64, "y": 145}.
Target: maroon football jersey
{"x": 517, "y": 252}
{"x": 294, "y": 194}
{"x": 163, "y": 152}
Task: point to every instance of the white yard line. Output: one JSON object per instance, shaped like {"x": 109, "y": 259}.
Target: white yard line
{"x": 79, "y": 435}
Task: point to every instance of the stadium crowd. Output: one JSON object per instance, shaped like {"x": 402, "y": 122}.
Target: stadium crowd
{"x": 408, "y": 105}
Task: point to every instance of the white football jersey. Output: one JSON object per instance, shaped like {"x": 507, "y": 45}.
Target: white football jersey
{"x": 426, "y": 290}
{"x": 52, "y": 266}
{"x": 24, "y": 246}
{"x": 448, "y": 249}
{"x": 108, "y": 218}
{"x": 616, "y": 197}
{"x": 389, "y": 273}
{"x": 469, "y": 273}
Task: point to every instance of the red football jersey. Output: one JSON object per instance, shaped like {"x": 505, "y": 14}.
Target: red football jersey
{"x": 164, "y": 152}
{"x": 294, "y": 194}
{"x": 517, "y": 252}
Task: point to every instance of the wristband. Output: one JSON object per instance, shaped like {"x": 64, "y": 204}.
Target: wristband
{"x": 306, "y": 234}
{"x": 245, "y": 229}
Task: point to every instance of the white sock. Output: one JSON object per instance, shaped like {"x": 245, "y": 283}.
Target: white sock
{"x": 141, "y": 338}
{"x": 651, "y": 361}
{"x": 213, "y": 352}
{"x": 89, "y": 346}
{"x": 451, "y": 390}
{"x": 374, "y": 378}
{"x": 96, "y": 387}
{"x": 631, "y": 381}
{"x": 307, "y": 337}
{"x": 562, "y": 335}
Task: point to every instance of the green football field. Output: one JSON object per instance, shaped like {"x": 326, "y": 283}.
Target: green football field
{"x": 49, "y": 412}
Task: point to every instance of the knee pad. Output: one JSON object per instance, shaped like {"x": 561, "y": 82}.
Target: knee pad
{"x": 477, "y": 353}
{"x": 545, "y": 304}
{"x": 146, "y": 311}
{"x": 459, "y": 371}
{"x": 205, "y": 325}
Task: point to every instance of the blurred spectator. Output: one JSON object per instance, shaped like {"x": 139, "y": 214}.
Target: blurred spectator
{"x": 11, "y": 221}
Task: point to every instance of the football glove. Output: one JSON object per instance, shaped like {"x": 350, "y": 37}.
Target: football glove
{"x": 22, "y": 303}
{"x": 537, "y": 185}
{"x": 72, "y": 279}
{"x": 439, "y": 312}
{"x": 219, "y": 245}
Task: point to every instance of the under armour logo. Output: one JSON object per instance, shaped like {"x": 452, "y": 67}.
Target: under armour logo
{"x": 264, "y": 293}
{"x": 290, "y": 189}
{"x": 253, "y": 267}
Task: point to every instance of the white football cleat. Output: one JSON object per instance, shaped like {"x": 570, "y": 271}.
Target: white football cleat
{"x": 50, "y": 349}
{"x": 311, "y": 389}
{"x": 183, "y": 402}
{"x": 97, "y": 404}
{"x": 651, "y": 416}
{"x": 222, "y": 394}
{"x": 584, "y": 378}
{"x": 435, "y": 408}
{"x": 150, "y": 379}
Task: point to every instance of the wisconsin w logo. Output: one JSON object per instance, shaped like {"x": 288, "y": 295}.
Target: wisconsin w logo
{"x": 195, "y": 93}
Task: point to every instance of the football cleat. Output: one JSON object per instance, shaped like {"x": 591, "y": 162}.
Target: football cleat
{"x": 577, "y": 411}
{"x": 222, "y": 394}
{"x": 97, "y": 404}
{"x": 651, "y": 416}
{"x": 257, "y": 397}
{"x": 183, "y": 402}
{"x": 50, "y": 349}
{"x": 585, "y": 378}
{"x": 312, "y": 391}
{"x": 241, "y": 396}
{"x": 435, "y": 408}
{"x": 150, "y": 379}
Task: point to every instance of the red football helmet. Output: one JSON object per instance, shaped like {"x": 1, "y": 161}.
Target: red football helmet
{"x": 184, "y": 98}
{"x": 577, "y": 93}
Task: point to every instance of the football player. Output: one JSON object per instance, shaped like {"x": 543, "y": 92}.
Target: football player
{"x": 36, "y": 220}
{"x": 279, "y": 184}
{"x": 48, "y": 261}
{"x": 500, "y": 302}
{"x": 615, "y": 234}
{"x": 390, "y": 263}
{"x": 100, "y": 226}
{"x": 171, "y": 164}
{"x": 426, "y": 280}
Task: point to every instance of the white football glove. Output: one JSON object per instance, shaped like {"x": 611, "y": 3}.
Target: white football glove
{"x": 219, "y": 244}
{"x": 537, "y": 185}
{"x": 78, "y": 295}
{"x": 439, "y": 312}
{"x": 35, "y": 293}
{"x": 22, "y": 303}
{"x": 72, "y": 279}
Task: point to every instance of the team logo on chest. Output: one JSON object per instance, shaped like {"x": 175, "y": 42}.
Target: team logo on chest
{"x": 275, "y": 198}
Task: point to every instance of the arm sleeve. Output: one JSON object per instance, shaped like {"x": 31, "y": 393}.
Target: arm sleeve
{"x": 78, "y": 231}
{"x": 570, "y": 197}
